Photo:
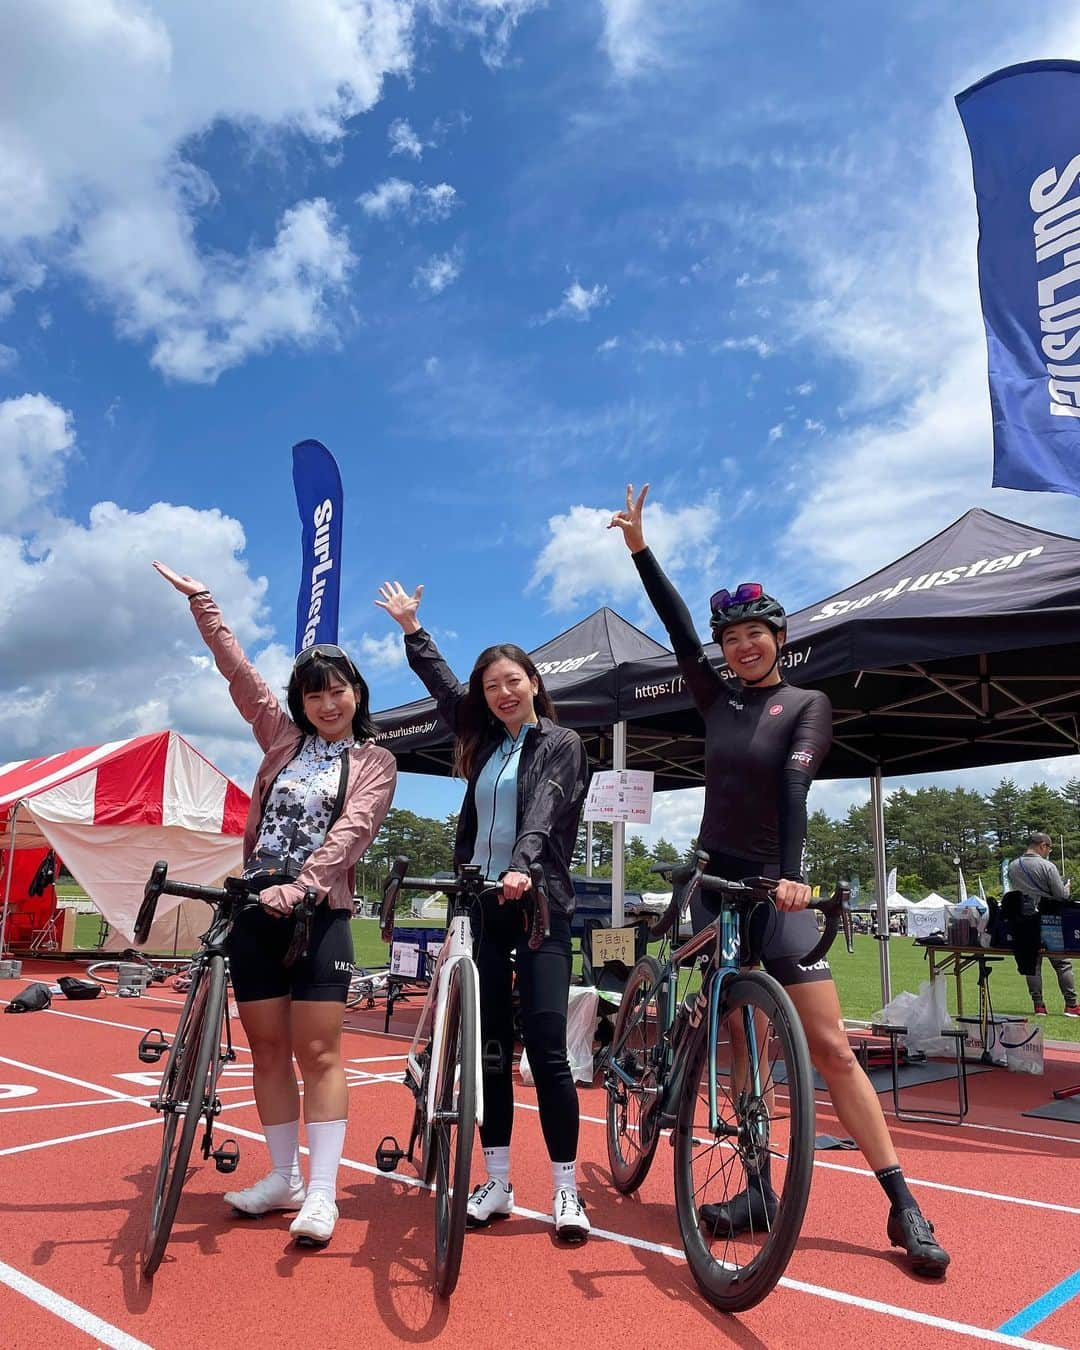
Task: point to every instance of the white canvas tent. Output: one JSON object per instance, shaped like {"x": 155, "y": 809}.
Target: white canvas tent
{"x": 898, "y": 901}
{"x": 111, "y": 811}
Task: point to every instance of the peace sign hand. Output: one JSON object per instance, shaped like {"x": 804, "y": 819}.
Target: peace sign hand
{"x": 400, "y": 605}
{"x": 629, "y": 520}
{"x": 184, "y": 584}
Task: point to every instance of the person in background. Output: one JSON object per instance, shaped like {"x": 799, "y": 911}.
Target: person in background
{"x": 320, "y": 796}
{"x": 1044, "y": 892}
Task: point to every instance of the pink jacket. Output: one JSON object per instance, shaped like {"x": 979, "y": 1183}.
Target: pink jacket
{"x": 331, "y": 869}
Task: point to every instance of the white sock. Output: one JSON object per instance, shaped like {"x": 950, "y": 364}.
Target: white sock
{"x": 498, "y": 1164}
{"x": 326, "y": 1139}
{"x": 283, "y": 1141}
{"x": 564, "y": 1176}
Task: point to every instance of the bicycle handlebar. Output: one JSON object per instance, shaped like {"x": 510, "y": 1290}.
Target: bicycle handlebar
{"x": 469, "y": 882}
{"x": 235, "y": 890}
{"x": 690, "y": 877}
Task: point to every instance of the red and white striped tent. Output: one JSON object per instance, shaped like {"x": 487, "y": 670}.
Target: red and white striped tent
{"x": 110, "y": 811}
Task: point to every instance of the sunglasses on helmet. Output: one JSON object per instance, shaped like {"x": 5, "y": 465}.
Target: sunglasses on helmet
{"x": 324, "y": 649}
{"x": 742, "y": 595}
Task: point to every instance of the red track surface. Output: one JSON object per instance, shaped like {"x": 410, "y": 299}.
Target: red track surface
{"x": 1003, "y": 1191}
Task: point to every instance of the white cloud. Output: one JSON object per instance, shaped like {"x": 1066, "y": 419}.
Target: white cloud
{"x": 753, "y": 343}
{"x": 776, "y": 432}
{"x": 631, "y": 36}
{"x": 608, "y": 344}
{"x": 36, "y": 440}
{"x": 416, "y": 202}
{"x": 578, "y": 303}
{"x": 491, "y": 22}
{"x": 9, "y": 358}
{"x": 664, "y": 346}
{"x": 807, "y": 387}
{"x": 812, "y": 424}
{"x": 380, "y": 653}
{"x": 582, "y": 557}
{"x": 109, "y": 191}
{"x": 762, "y": 279}
{"x": 403, "y": 140}
{"x": 440, "y": 271}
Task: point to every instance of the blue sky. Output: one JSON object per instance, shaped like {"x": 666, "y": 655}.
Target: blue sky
{"x": 501, "y": 256}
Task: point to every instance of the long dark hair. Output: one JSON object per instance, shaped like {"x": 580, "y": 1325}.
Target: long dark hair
{"x": 320, "y": 673}
{"x": 476, "y": 723}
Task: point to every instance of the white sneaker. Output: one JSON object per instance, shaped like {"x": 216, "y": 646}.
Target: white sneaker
{"x": 492, "y": 1199}
{"x": 314, "y": 1225}
{"x": 272, "y": 1192}
{"x": 571, "y": 1221}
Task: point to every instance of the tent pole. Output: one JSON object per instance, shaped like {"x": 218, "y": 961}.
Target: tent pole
{"x": 8, "y": 873}
{"x": 618, "y": 832}
{"x": 877, "y": 816}
{"x": 588, "y": 847}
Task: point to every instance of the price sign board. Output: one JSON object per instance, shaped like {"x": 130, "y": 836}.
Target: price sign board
{"x": 620, "y": 794}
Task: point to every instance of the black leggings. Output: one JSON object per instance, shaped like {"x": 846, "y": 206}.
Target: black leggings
{"x": 543, "y": 979}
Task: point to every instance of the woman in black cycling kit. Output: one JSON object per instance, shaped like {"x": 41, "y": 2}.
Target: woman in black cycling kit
{"x": 764, "y": 742}
{"x": 526, "y": 784}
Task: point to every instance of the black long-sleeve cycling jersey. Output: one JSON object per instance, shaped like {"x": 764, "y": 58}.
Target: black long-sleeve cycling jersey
{"x": 763, "y": 745}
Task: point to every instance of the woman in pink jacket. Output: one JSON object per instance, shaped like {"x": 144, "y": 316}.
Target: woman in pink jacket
{"x": 320, "y": 795}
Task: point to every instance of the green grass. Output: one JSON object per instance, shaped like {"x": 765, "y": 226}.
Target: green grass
{"x": 858, "y": 977}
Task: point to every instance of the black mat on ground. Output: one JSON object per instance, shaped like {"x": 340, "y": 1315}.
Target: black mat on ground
{"x": 909, "y": 1075}
{"x": 1068, "y": 1110}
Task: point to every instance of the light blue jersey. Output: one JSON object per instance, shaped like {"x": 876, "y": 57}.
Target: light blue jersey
{"x": 496, "y": 806}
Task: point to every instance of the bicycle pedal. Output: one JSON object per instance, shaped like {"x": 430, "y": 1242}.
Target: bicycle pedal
{"x": 387, "y": 1159}
{"x": 152, "y": 1046}
{"x": 227, "y": 1156}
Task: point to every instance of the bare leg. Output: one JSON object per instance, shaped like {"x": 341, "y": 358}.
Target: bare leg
{"x": 267, "y": 1024}
{"x": 316, "y": 1042}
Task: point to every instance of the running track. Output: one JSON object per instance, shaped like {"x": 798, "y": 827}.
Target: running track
{"x": 78, "y": 1147}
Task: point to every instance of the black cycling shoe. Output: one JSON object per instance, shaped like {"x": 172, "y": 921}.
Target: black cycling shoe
{"x": 909, "y": 1229}
{"x": 750, "y": 1209}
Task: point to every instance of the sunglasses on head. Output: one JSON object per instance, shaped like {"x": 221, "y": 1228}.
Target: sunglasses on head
{"x": 742, "y": 595}
{"x": 324, "y": 649}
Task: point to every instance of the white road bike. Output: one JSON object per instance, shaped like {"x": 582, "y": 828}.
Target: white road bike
{"x": 443, "y": 1069}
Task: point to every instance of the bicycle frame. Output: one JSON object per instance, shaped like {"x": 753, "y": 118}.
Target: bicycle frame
{"x": 457, "y": 947}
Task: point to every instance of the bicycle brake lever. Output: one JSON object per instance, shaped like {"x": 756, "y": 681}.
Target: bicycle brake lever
{"x": 541, "y": 921}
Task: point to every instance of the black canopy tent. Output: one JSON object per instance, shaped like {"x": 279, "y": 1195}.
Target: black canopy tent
{"x": 964, "y": 652}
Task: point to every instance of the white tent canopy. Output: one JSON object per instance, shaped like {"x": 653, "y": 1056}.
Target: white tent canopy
{"x": 111, "y": 811}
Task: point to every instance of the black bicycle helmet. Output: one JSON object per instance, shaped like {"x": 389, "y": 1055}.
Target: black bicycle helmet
{"x": 748, "y": 601}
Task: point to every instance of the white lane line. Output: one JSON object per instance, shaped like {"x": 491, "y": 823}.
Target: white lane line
{"x": 103, "y": 1332}
{"x": 75, "y": 1138}
{"x": 377, "y": 1059}
{"x": 957, "y": 1190}
{"x": 50, "y": 1106}
{"x": 122, "y": 1026}
{"x": 75, "y": 1082}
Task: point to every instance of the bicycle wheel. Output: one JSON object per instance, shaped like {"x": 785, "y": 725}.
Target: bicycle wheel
{"x": 749, "y": 1171}
{"x": 453, "y": 1126}
{"x": 632, "y": 1129}
{"x": 188, "y": 1074}
{"x": 105, "y": 972}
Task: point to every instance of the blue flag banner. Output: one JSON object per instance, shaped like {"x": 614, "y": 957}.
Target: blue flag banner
{"x": 1023, "y": 129}
{"x": 319, "y": 501}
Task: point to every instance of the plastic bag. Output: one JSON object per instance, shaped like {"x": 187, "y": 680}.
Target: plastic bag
{"x": 924, "y": 1014}
{"x": 1023, "y": 1044}
{"x": 580, "y": 1031}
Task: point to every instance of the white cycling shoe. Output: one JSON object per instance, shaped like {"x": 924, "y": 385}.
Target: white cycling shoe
{"x": 571, "y": 1221}
{"x": 271, "y": 1193}
{"x": 492, "y": 1199}
{"x": 314, "y": 1225}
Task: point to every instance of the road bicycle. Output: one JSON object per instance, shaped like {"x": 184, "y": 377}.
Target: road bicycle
{"x": 173, "y": 971}
{"x": 723, "y": 1064}
{"x": 443, "y": 1068}
{"x": 200, "y": 1045}
{"x": 367, "y": 985}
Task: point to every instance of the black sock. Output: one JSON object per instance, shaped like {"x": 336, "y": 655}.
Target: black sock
{"x": 896, "y": 1188}
{"x": 760, "y": 1178}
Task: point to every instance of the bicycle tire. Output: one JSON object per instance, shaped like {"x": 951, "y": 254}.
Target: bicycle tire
{"x": 187, "y": 1075}
{"x": 632, "y": 1128}
{"x": 736, "y": 1270}
{"x": 454, "y": 1126}
{"x": 105, "y": 972}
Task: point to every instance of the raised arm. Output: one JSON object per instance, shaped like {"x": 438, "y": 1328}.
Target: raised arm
{"x": 704, "y": 683}
{"x": 421, "y": 652}
{"x": 254, "y": 699}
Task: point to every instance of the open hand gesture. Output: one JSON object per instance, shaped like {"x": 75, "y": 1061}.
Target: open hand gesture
{"x": 185, "y": 585}
{"x": 629, "y": 519}
{"x": 400, "y": 605}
